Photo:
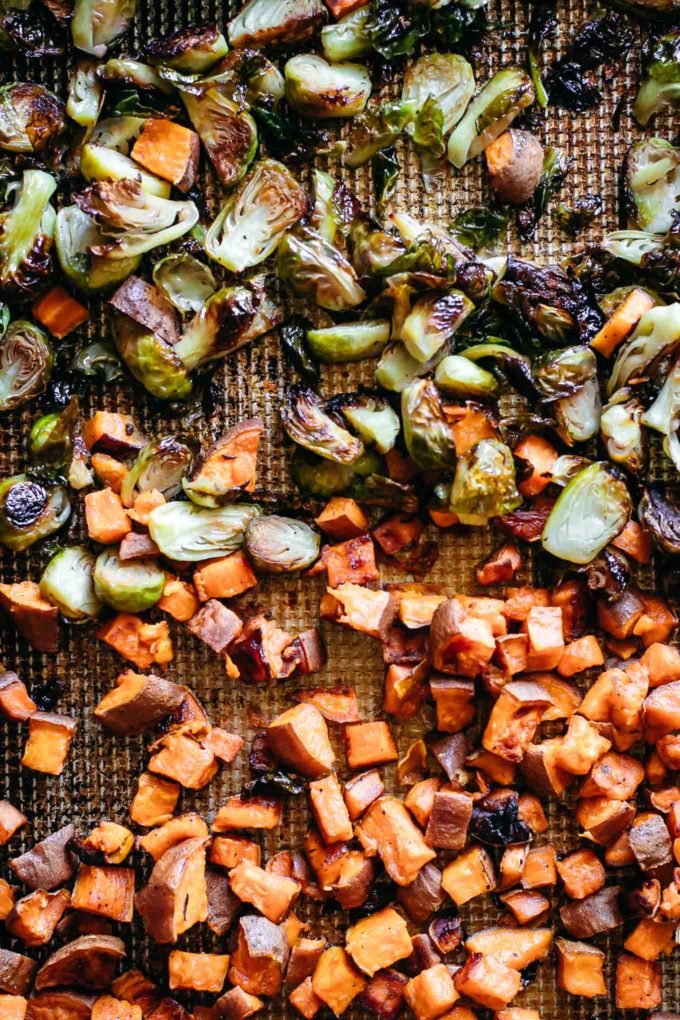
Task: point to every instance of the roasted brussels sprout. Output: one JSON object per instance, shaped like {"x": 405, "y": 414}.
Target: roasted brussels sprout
{"x": 293, "y": 335}
{"x": 99, "y": 360}
{"x": 347, "y": 38}
{"x": 309, "y": 425}
{"x": 427, "y": 433}
{"x": 621, "y": 432}
{"x": 281, "y": 545}
{"x": 98, "y": 163}
{"x": 484, "y": 484}
{"x": 119, "y": 133}
{"x": 128, "y": 586}
{"x": 276, "y": 23}
{"x": 369, "y": 415}
{"x": 321, "y": 90}
{"x": 375, "y": 129}
{"x": 161, "y": 465}
{"x": 317, "y": 270}
{"x": 560, "y": 373}
{"x": 590, "y": 511}
{"x": 132, "y": 221}
{"x": 664, "y": 414}
{"x": 433, "y": 319}
{"x": 397, "y": 369}
{"x": 150, "y": 359}
{"x": 440, "y": 85}
{"x": 189, "y": 533}
{"x": 372, "y": 248}
{"x": 192, "y": 49}
{"x": 26, "y": 360}
{"x": 349, "y": 341}
{"x": 184, "y": 281}
{"x": 50, "y": 444}
{"x": 227, "y": 468}
{"x": 656, "y": 335}
{"x": 653, "y": 184}
{"x": 31, "y": 117}
{"x": 76, "y": 235}
{"x": 660, "y": 77}
{"x": 661, "y": 515}
{"x": 334, "y": 208}
{"x": 228, "y": 133}
{"x": 30, "y": 511}
{"x": 223, "y": 324}
{"x": 316, "y": 476}
{"x": 492, "y": 111}
{"x": 462, "y": 376}
{"x": 578, "y": 415}
{"x": 26, "y": 234}
{"x": 68, "y": 584}
{"x": 255, "y": 217}
{"x": 85, "y": 94}
{"x": 98, "y": 23}
{"x": 126, "y": 71}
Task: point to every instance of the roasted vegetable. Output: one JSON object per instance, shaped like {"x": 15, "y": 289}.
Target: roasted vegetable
{"x": 591, "y": 510}
{"x": 160, "y": 466}
{"x": 192, "y": 49}
{"x": 129, "y": 586}
{"x": 456, "y": 374}
{"x": 68, "y": 583}
{"x": 656, "y": 335}
{"x": 515, "y": 162}
{"x": 621, "y": 431}
{"x": 489, "y": 114}
{"x": 151, "y": 359}
{"x": 347, "y": 38}
{"x": 321, "y": 90}
{"x": 315, "y": 269}
{"x": 228, "y": 133}
{"x": 228, "y": 467}
{"x": 652, "y": 179}
{"x": 371, "y": 416}
{"x": 184, "y": 281}
{"x": 85, "y": 94}
{"x": 30, "y": 511}
{"x": 310, "y": 426}
{"x": 26, "y": 360}
{"x": 26, "y": 233}
{"x": 441, "y": 86}
{"x": 484, "y": 484}
{"x": 281, "y": 22}
{"x": 281, "y": 545}
{"x": 97, "y": 163}
{"x": 432, "y": 320}
{"x": 98, "y": 23}
{"x": 349, "y": 341}
{"x": 76, "y": 235}
{"x": 190, "y": 533}
{"x": 660, "y": 85}
{"x": 31, "y": 117}
{"x": 427, "y": 433}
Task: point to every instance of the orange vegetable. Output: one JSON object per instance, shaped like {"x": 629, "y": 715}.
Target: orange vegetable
{"x": 512, "y": 651}
{"x": 155, "y": 800}
{"x": 228, "y": 851}
{"x": 59, "y": 313}
{"x": 455, "y": 702}
{"x": 225, "y": 577}
{"x": 622, "y": 322}
{"x": 443, "y": 519}
{"x": 168, "y": 150}
{"x": 336, "y": 704}
{"x": 342, "y": 518}
{"x": 254, "y": 813}
{"x": 340, "y": 8}
{"x": 469, "y": 425}
{"x": 133, "y": 987}
{"x": 49, "y": 740}
{"x": 108, "y": 892}
{"x": 638, "y": 983}
{"x": 541, "y": 455}
{"x": 273, "y": 895}
{"x": 469, "y": 875}
{"x": 651, "y": 939}
{"x": 361, "y": 791}
{"x": 15, "y": 702}
{"x": 142, "y": 643}
{"x": 33, "y": 616}
{"x": 514, "y": 719}
{"x": 351, "y": 562}
{"x": 329, "y": 809}
{"x": 657, "y": 622}
{"x": 582, "y": 873}
{"x": 378, "y": 941}
{"x": 109, "y": 471}
{"x": 106, "y": 519}
{"x": 579, "y": 968}
{"x": 635, "y": 542}
{"x": 13, "y": 1007}
{"x": 305, "y": 999}
{"x": 581, "y": 746}
{"x": 180, "y": 755}
{"x": 6, "y": 899}
{"x": 299, "y": 738}
{"x": 369, "y": 743}
{"x": 581, "y": 654}
{"x": 108, "y": 1008}
{"x": 187, "y": 826}
{"x": 144, "y": 504}
{"x": 488, "y": 981}
{"x": 199, "y": 972}
{"x": 370, "y": 612}
{"x": 526, "y": 906}
{"x": 662, "y": 663}
{"x": 112, "y": 432}
{"x": 179, "y": 599}
{"x": 336, "y": 981}
{"x": 521, "y": 601}
{"x": 530, "y": 810}
{"x": 34, "y": 917}
{"x": 397, "y": 533}
{"x": 543, "y": 626}
{"x": 540, "y": 868}
{"x": 431, "y": 993}
{"x": 514, "y": 947}
{"x": 500, "y": 566}
{"x": 387, "y": 829}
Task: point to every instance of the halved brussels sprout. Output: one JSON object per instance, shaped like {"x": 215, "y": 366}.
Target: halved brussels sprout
{"x": 321, "y": 90}
{"x": 192, "y": 49}
{"x": 189, "y": 533}
{"x": 119, "y": 133}
{"x": 85, "y": 94}
{"x": 560, "y": 373}
{"x": 50, "y": 444}
{"x": 317, "y": 270}
{"x": 30, "y": 511}
{"x": 489, "y": 114}
{"x": 591, "y": 511}
{"x": 656, "y": 335}
{"x": 99, "y": 360}
{"x": 377, "y": 128}
{"x": 26, "y": 360}
{"x": 372, "y": 248}
{"x": 219, "y": 327}
{"x": 281, "y": 545}
{"x": 433, "y": 319}
{"x": 445, "y": 78}
{"x": 128, "y": 586}
{"x": 660, "y": 85}
{"x": 369, "y": 415}
{"x": 126, "y": 71}
{"x": 316, "y": 476}
{"x": 276, "y": 23}
{"x": 397, "y": 369}
{"x": 622, "y": 433}
{"x": 660, "y": 514}
{"x": 251, "y": 224}
{"x": 308, "y": 424}
{"x": 664, "y": 414}
{"x": 228, "y": 133}
{"x": 427, "y": 433}
{"x": 100, "y": 164}
{"x": 349, "y": 341}
{"x": 456, "y": 374}
{"x": 484, "y": 485}
{"x": 150, "y": 359}
{"x": 653, "y": 184}
{"x": 98, "y": 23}
{"x": 76, "y": 235}
{"x": 132, "y": 221}
{"x": 347, "y": 38}
{"x": 578, "y": 415}
{"x": 68, "y": 584}
{"x": 31, "y": 117}
{"x": 26, "y": 234}
{"x": 161, "y": 465}
{"x": 227, "y": 468}
{"x": 328, "y": 216}
{"x": 184, "y": 281}
{"x": 632, "y": 246}
{"x": 431, "y": 248}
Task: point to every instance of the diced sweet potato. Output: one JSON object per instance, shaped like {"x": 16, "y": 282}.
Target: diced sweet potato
{"x": 454, "y": 701}
{"x": 106, "y": 519}
{"x": 175, "y": 897}
{"x": 378, "y": 941}
{"x": 361, "y": 791}
{"x": 305, "y": 999}
{"x": 114, "y": 433}
{"x": 299, "y": 738}
{"x": 350, "y": 562}
{"x": 512, "y": 652}
{"x": 544, "y": 629}
{"x": 449, "y": 819}
{"x": 511, "y": 866}
{"x": 34, "y": 617}
{"x": 336, "y": 981}
{"x": 469, "y": 875}
{"x": 581, "y": 654}
{"x": 540, "y": 868}
{"x": 225, "y": 577}
{"x": 216, "y": 625}
{"x": 342, "y": 518}
{"x": 514, "y": 947}
{"x": 155, "y": 800}
{"x": 259, "y": 960}
{"x": 541, "y": 771}
{"x": 622, "y": 322}
{"x": 108, "y": 892}
{"x": 405, "y": 689}
{"x": 579, "y": 968}
{"x": 431, "y": 993}
{"x": 142, "y": 643}
{"x": 602, "y": 819}
{"x": 34, "y": 917}
{"x": 329, "y": 809}
{"x": 253, "y": 813}
{"x": 336, "y": 704}
{"x": 273, "y": 895}
{"x": 228, "y": 851}
{"x": 11, "y": 820}
{"x": 582, "y": 874}
{"x": 657, "y": 622}
{"x": 638, "y": 983}
{"x": 109, "y": 471}
{"x": 526, "y": 906}
{"x": 133, "y": 987}
{"x": 387, "y": 829}
{"x": 650, "y": 841}
{"x": 594, "y": 914}
{"x": 180, "y": 755}
{"x": 7, "y": 899}
{"x": 15, "y": 702}
{"x": 13, "y": 1007}
{"x": 168, "y": 150}
{"x": 109, "y": 1008}
{"x": 488, "y": 981}
{"x": 460, "y": 643}
{"x": 186, "y": 826}
{"x": 500, "y": 566}
{"x": 49, "y": 740}
{"x": 362, "y": 609}
{"x": 199, "y": 972}
{"x": 179, "y": 599}
{"x": 635, "y": 542}
{"x": 651, "y": 939}
{"x": 304, "y": 957}
{"x": 662, "y": 663}
{"x": 514, "y": 719}
{"x": 236, "y": 1004}
{"x": 581, "y": 746}
{"x": 541, "y": 455}
{"x": 369, "y": 743}
{"x": 530, "y": 810}
{"x": 137, "y": 703}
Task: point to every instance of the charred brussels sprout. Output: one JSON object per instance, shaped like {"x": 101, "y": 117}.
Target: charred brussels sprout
{"x": 347, "y": 38}
{"x": 489, "y": 114}
{"x": 150, "y": 359}
{"x": 309, "y": 425}
{"x": 661, "y": 516}
{"x": 30, "y": 511}
{"x": 76, "y": 235}
{"x": 397, "y": 369}
{"x": 228, "y": 133}
{"x": 184, "y": 281}
{"x": 50, "y": 441}
{"x": 622, "y": 434}
{"x": 440, "y": 85}
{"x": 461, "y": 375}
{"x": 569, "y": 378}
{"x": 189, "y": 533}
{"x": 653, "y": 184}
{"x": 590, "y": 511}
{"x": 317, "y": 270}
{"x": 224, "y": 323}
{"x": 334, "y": 208}
{"x": 67, "y": 583}
{"x": 98, "y": 163}
{"x": 98, "y": 23}
{"x": 657, "y": 335}
{"x": 255, "y": 217}
{"x": 128, "y": 586}
{"x": 276, "y": 23}
{"x": 131, "y": 220}
{"x": 376, "y": 129}
{"x": 316, "y": 476}
{"x": 119, "y": 133}
{"x": 321, "y": 90}
{"x": 427, "y": 433}
{"x": 31, "y": 117}
{"x": 484, "y": 484}
{"x": 126, "y": 71}
{"x": 372, "y": 248}
{"x": 281, "y": 545}
{"x": 371, "y": 416}
{"x": 661, "y": 77}
{"x": 26, "y": 360}
{"x": 26, "y": 234}
{"x": 193, "y": 49}
{"x": 349, "y": 341}
{"x": 664, "y": 414}
{"x": 432, "y": 320}
{"x": 85, "y": 94}
{"x": 161, "y": 465}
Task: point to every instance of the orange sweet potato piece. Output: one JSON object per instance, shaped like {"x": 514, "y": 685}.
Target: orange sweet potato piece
{"x": 155, "y": 800}
{"x": 378, "y": 941}
{"x": 454, "y": 701}
{"x": 515, "y": 947}
{"x": 109, "y": 471}
{"x": 470, "y": 874}
{"x": 405, "y": 689}
{"x": 387, "y": 829}
{"x": 176, "y": 830}
{"x": 336, "y": 981}
{"x": 112, "y": 432}
{"x": 49, "y": 740}
{"x": 500, "y": 566}
{"x": 361, "y": 791}
{"x": 350, "y": 562}
{"x": 13, "y": 1007}
{"x": 175, "y": 897}
{"x": 662, "y": 663}
{"x": 11, "y": 820}
{"x": 299, "y": 738}
{"x": 199, "y": 972}
{"x": 329, "y": 809}
{"x": 512, "y": 651}
{"x": 579, "y": 968}
{"x": 272, "y": 894}
{"x": 142, "y": 643}
{"x": 521, "y": 601}
{"x": 638, "y": 983}
{"x": 225, "y": 577}
{"x": 342, "y": 518}
{"x": 514, "y": 719}
{"x": 369, "y": 743}
{"x": 431, "y": 993}
{"x": 181, "y": 756}
{"x": 34, "y": 917}
{"x": 15, "y": 702}
{"x": 460, "y": 643}
{"x": 488, "y": 981}
{"x": 144, "y": 504}
{"x": 108, "y": 892}
{"x": 657, "y": 622}
{"x": 59, "y": 313}
{"x": 602, "y": 819}
{"x": 179, "y": 599}
{"x": 469, "y": 425}
{"x": 363, "y": 609}
{"x": 7, "y": 899}
{"x": 525, "y": 905}
{"x": 105, "y": 515}
{"x": 635, "y": 542}
{"x": 169, "y": 151}
{"x": 254, "y": 813}
{"x": 541, "y": 455}
{"x": 622, "y": 322}
{"x": 305, "y": 999}
{"x": 615, "y": 776}
{"x": 581, "y": 746}
{"x": 540, "y": 868}
{"x": 651, "y": 939}
{"x": 34, "y": 617}
{"x": 336, "y": 704}
{"x": 109, "y": 1008}
{"x": 230, "y": 465}
{"x": 579, "y": 655}
{"x": 530, "y": 810}
{"x": 544, "y": 628}
{"x": 582, "y": 873}
{"x": 133, "y": 987}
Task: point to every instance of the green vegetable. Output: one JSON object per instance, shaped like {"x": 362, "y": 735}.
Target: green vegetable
{"x": 490, "y": 113}
{"x": 542, "y": 24}
{"x": 351, "y": 341}
{"x": 161, "y": 465}
{"x": 294, "y": 345}
{"x": 31, "y": 117}
{"x": 189, "y": 533}
{"x": 371, "y": 416}
{"x": 479, "y": 227}
{"x": 446, "y": 78}
{"x": 484, "y": 484}
{"x": 456, "y": 374}
{"x": 26, "y": 233}
{"x": 125, "y": 71}
{"x": 317, "y": 476}
{"x": 98, "y": 23}
{"x": 26, "y": 360}
{"x": 397, "y": 368}
{"x": 85, "y": 94}
{"x": 321, "y": 90}
{"x": 432, "y": 321}
{"x": 99, "y": 360}
{"x": 653, "y": 184}
{"x": 386, "y": 168}
{"x": 30, "y": 510}
{"x": 347, "y": 38}
{"x": 377, "y": 129}
{"x": 372, "y": 249}
{"x": 591, "y": 511}
{"x": 579, "y": 415}
{"x": 119, "y": 133}
{"x": 49, "y": 442}
{"x": 656, "y": 335}
{"x": 317, "y": 270}
{"x": 555, "y": 171}
{"x": 578, "y": 217}
{"x": 217, "y": 328}
{"x": 427, "y": 433}
{"x": 561, "y": 373}
{"x": 193, "y": 50}
{"x": 100, "y": 164}
{"x": 659, "y": 514}
{"x": 128, "y": 586}
{"x": 621, "y": 432}
{"x": 325, "y": 216}
{"x": 664, "y": 414}
{"x": 281, "y": 545}
{"x": 67, "y": 583}
{"x": 275, "y": 23}
{"x": 184, "y": 281}
{"x": 309, "y": 425}
{"x": 228, "y": 133}
{"x": 660, "y": 85}
{"x": 151, "y": 360}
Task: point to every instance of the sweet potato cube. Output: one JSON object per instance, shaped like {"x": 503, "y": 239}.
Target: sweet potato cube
{"x": 581, "y": 654}
{"x": 512, "y": 652}
{"x": 225, "y": 577}
{"x": 336, "y": 981}
{"x": 34, "y": 917}
{"x": 168, "y": 150}
{"x": 186, "y": 826}
{"x": 140, "y": 642}
{"x": 387, "y": 829}
{"x": 540, "y": 868}
{"x": 361, "y": 791}
{"x": 488, "y": 981}
{"x": 541, "y": 455}
{"x": 259, "y": 960}
{"x": 651, "y": 939}
{"x": 602, "y": 819}
{"x": 662, "y": 710}
{"x": 179, "y": 599}
{"x": 369, "y": 743}
{"x": 228, "y": 851}
{"x": 253, "y": 813}
{"x": 581, "y": 746}
{"x": 235, "y": 1005}
{"x": 34, "y": 617}
{"x": 662, "y": 663}
{"x": 416, "y": 609}
{"x": 109, "y": 1008}
{"x": 175, "y": 897}
{"x": 199, "y": 972}
{"x": 614, "y": 776}
{"x": 582, "y": 873}
{"x": 155, "y": 800}
{"x": 13, "y": 1007}
{"x": 638, "y": 983}
{"x": 305, "y": 999}
{"x": 405, "y": 689}
{"x": 378, "y": 941}
{"x": 514, "y": 719}
{"x": 15, "y": 702}
{"x": 543, "y": 627}
{"x": 273, "y": 895}
{"x": 525, "y": 905}
{"x": 106, "y": 891}
{"x": 500, "y": 566}
{"x": 105, "y": 516}
{"x": 530, "y": 810}
{"x": 299, "y": 738}
{"x": 342, "y": 518}
{"x": 468, "y": 875}
{"x": 514, "y": 947}
{"x": 181, "y": 756}
{"x": 454, "y": 701}
{"x": 449, "y": 819}
{"x": 363, "y": 609}
{"x": 431, "y": 993}
{"x": 7, "y": 899}
{"x": 351, "y": 562}
{"x": 460, "y": 643}
{"x": 138, "y": 702}
{"x": 579, "y": 968}
{"x": 329, "y": 809}
{"x": 11, "y": 820}
{"x": 49, "y": 740}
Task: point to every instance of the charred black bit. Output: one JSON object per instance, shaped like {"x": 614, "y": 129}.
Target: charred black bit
{"x": 273, "y": 784}
{"x": 542, "y": 24}
{"x": 500, "y": 824}
{"x": 260, "y": 759}
{"x": 573, "y": 219}
{"x": 661, "y": 515}
{"x": 287, "y": 137}
{"x": 24, "y": 503}
{"x": 555, "y": 169}
{"x": 605, "y": 40}
{"x": 294, "y": 344}
{"x": 386, "y": 168}
{"x": 48, "y": 692}
{"x": 33, "y": 33}
{"x": 383, "y": 892}
{"x": 608, "y": 573}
